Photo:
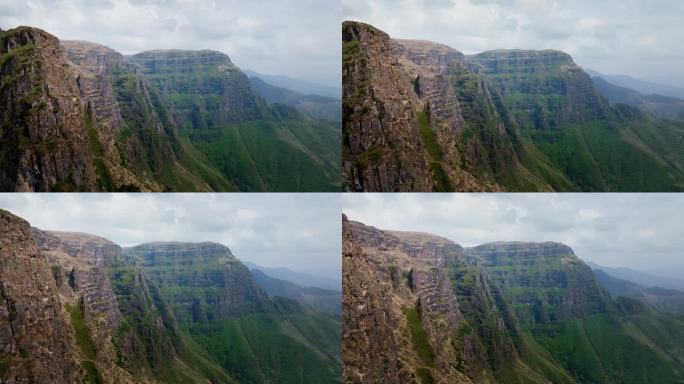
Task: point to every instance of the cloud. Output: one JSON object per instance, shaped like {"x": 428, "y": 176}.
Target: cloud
{"x": 297, "y": 231}
{"x": 635, "y": 37}
{"x": 640, "y": 231}
{"x": 299, "y": 38}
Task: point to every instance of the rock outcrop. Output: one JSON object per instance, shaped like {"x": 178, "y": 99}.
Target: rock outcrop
{"x": 45, "y": 145}
{"x": 35, "y": 338}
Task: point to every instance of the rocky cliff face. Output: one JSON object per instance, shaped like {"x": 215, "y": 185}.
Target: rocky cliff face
{"x": 418, "y": 308}
{"x": 545, "y": 89}
{"x": 35, "y": 338}
{"x": 204, "y": 75}
{"x": 420, "y": 110}
{"x": 42, "y": 122}
{"x": 207, "y": 281}
{"x": 544, "y": 281}
{"x": 382, "y": 148}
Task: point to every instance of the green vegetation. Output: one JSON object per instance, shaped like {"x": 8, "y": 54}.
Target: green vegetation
{"x": 103, "y": 177}
{"x": 85, "y": 341}
{"x": 425, "y": 376}
{"x": 440, "y": 177}
{"x": 82, "y": 332}
{"x": 92, "y": 376}
{"x": 418, "y": 336}
{"x": 259, "y": 348}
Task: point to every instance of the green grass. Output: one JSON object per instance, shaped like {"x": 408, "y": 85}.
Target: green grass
{"x": 92, "y": 376}
{"x": 82, "y": 332}
{"x": 419, "y": 338}
{"x": 425, "y": 376}
{"x": 439, "y": 176}
{"x": 258, "y": 348}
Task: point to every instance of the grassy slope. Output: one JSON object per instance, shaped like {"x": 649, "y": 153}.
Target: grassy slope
{"x": 190, "y": 363}
{"x": 190, "y": 171}
{"x": 260, "y": 348}
{"x": 298, "y": 155}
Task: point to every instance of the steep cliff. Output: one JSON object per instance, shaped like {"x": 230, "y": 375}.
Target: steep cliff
{"x": 36, "y": 341}
{"x": 421, "y": 116}
{"x": 420, "y": 309}
{"x": 45, "y": 145}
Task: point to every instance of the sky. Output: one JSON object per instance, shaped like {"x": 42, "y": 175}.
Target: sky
{"x": 296, "y": 231}
{"x": 298, "y": 38}
{"x": 641, "y": 38}
{"x": 639, "y": 231}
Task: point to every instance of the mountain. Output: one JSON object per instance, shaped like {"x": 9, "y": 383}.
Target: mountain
{"x": 418, "y": 308}
{"x": 663, "y": 107}
{"x": 160, "y": 312}
{"x": 421, "y": 116}
{"x": 81, "y": 116}
{"x": 305, "y": 280}
{"x": 665, "y": 300}
{"x": 640, "y": 85}
{"x": 301, "y": 86}
{"x": 319, "y": 107}
{"x": 642, "y": 278}
{"x": 318, "y": 299}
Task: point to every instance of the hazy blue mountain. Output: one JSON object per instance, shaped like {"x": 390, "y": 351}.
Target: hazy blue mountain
{"x": 319, "y": 299}
{"x": 643, "y": 278}
{"x": 303, "y": 279}
{"x": 301, "y": 86}
{"x": 319, "y": 107}
{"x": 665, "y": 300}
{"x": 640, "y": 85}
{"x": 663, "y": 107}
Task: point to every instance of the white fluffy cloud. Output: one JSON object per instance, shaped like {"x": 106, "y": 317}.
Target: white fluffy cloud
{"x": 299, "y": 38}
{"x": 640, "y": 231}
{"x": 297, "y": 231}
{"x": 634, "y": 37}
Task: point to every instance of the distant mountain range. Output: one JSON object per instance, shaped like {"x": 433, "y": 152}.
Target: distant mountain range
{"x": 640, "y": 85}
{"x": 663, "y": 107}
{"x": 80, "y": 116}
{"x": 421, "y": 116}
{"x": 642, "y": 278}
{"x": 320, "y": 107}
{"x": 302, "y": 279}
{"x": 301, "y": 86}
